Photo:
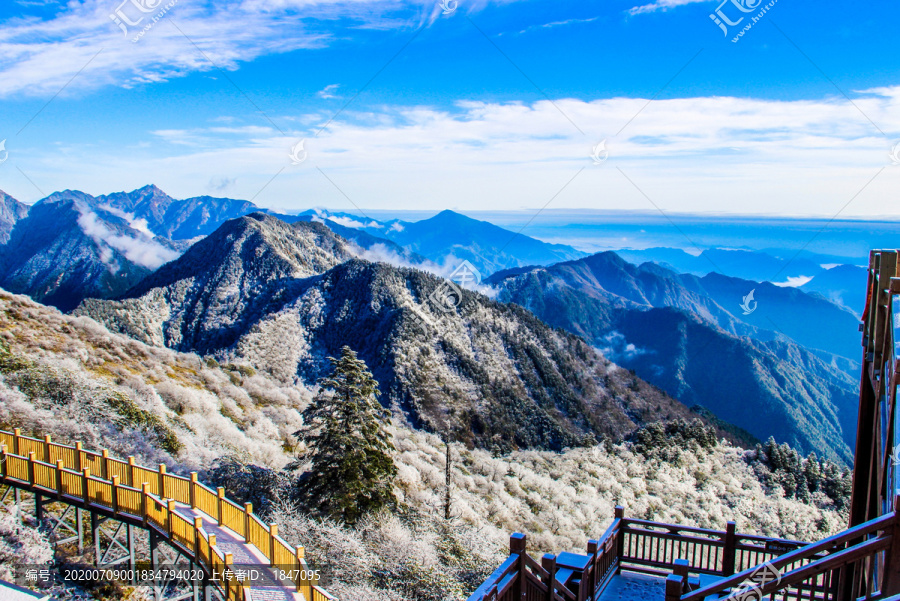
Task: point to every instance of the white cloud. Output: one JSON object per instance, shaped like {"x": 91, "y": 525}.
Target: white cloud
{"x": 703, "y": 154}
{"x": 347, "y": 221}
{"x": 794, "y": 281}
{"x": 661, "y": 5}
{"x": 140, "y": 250}
{"x": 38, "y": 57}
{"x": 327, "y": 91}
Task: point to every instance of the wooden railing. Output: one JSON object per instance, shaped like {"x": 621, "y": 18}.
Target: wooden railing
{"x": 859, "y": 563}
{"x": 148, "y": 497}
{"x": 807, "y": 571}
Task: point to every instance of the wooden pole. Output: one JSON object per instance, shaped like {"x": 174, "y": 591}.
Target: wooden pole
{"x": 192, "y": 490}
{"x": 85, "y": 474}
{"x": 47, "y": 441}
{"x": 162, "y": 481}
{"x": 517, "y": 546}
{"x": 220, "y": 495}
{"x": 273, "y": 531}
{"x": 115, "y": 494}
{"x": 145, "y": 499}
{"x": 31, "y": 467}
{"x": 248, "y": 511}
{"x": 548, "y": 562}
{"x": 891, "y": 584}
{"x": 729, "y": 551}
{"x": 59, "y": 478}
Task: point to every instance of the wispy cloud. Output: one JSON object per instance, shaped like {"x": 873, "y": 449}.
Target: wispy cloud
{"x": 715, "y": 154}
{"x": 138, "y": 249}
{"x": 39, "y": 56}
{"x": 327, "y": 92}
{"x": 554, "y": 24}
{"x": 661, "y": 5}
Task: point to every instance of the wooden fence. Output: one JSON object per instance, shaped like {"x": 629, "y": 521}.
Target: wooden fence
{"x": 148, "y": 498}
{"x": 855, "y": 559}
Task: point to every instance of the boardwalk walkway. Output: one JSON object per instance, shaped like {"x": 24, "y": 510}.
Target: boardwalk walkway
{"x": 216, "y": 534}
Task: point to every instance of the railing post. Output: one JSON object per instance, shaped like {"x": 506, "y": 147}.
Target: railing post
{"x": 548, "y": 562}
{"x": 673, "y": 587}
{"x": 248, "y": 511}
{"x": 115, "y": 494}
{"x": 891, "y": 584}
{"x": 86, "y": 495}
{"x": 229, "y": 561}
{"x": 304, "y": 585}
{"x": 192, "y": 490}
{"x": 130, "y": 471}
{"x": 31, "y": 468}
{"x": 273, "y": 532}
{"x": 78, "y": 459}
{"x": 162, "y": 481}
{"x": 145, "y": 499}
{"x": 17, "y": 433}
{"x": 620, "y": 538}
{"x": 729, "y": 551}
{"x": 198, "y": 538}
{"x": 220, "y": 496}
{"x": 104, "y": 464}
{"x": 47, "y": 441}
{"x": 59, "y": 478}
{"x": 593, "y": 547}
{"x": 3, "y": 458}
{"x": 517, "y": 545}
{"x": 170, "y": 507}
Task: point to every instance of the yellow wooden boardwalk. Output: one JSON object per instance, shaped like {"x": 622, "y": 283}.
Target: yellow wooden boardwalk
{"x": 222, "y": 538}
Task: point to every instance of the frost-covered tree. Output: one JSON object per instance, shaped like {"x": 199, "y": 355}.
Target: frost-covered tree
{"x": 352, "y": 468}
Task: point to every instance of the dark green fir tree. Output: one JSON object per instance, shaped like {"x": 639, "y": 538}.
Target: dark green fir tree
{"x": 345, "y": 430}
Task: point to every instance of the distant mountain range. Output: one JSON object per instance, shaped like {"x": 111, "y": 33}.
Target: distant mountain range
{"x": 773, "y": 265}
{"x": 222, "y": 277}
{"x": 79, "y": 246}
{"x": 689, "y": 336}
{"x": 284, "y": 297}
{"x": 450, "y": 237}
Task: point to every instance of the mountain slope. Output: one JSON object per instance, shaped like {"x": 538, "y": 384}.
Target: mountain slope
{"x": 488, "y": 373}
{"x": 646, "y": 320}
{"x": 67, "y": 248}
{"x": 758, "y": 266}
{"x": 11, "y": 211}
{"x": 488, "y": 247}
{"x": 178, "y": 219}
{"x": 844, "y": 285}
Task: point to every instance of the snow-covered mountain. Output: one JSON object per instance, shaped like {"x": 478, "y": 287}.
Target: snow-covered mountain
{"x": 678, "y": 333}
{"x": 69, "y": 246}
{"x": 450, "y": 236}
{"x": 284, "y": 297}
{"x": 11, "y": 211}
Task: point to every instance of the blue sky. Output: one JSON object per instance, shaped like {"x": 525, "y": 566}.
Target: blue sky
{"x": 496, "y": 105}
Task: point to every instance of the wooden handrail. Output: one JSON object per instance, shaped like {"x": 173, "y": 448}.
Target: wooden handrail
{"x": 830, "y": 545}
{"x": 61, "y": 460}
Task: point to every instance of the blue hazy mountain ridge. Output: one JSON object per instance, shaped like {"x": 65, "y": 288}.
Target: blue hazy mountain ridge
{"x": 688, "y": 336}
{"x": 486, "y": 246}
{"x": 178, "y": 219}
{"x": 50, "y": 257}
{"x": 844, "y": 284}
{"x": 750, "y": 265}
{"x": 11, "y": 211}
{"x": 362, "y": 239}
